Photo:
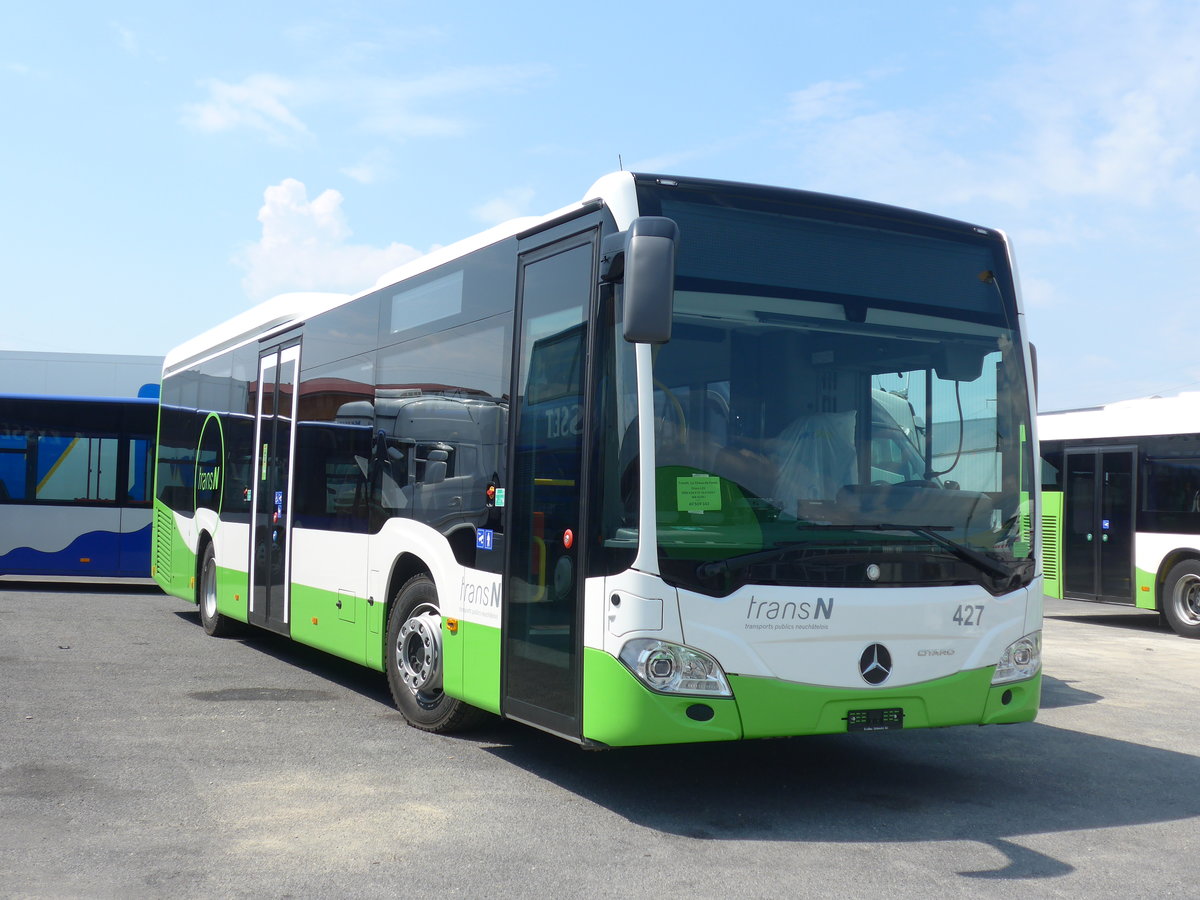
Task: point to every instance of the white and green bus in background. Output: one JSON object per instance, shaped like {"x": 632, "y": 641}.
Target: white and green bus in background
{"x": 1121, "y": 487}
{"x": 684, "y": 461}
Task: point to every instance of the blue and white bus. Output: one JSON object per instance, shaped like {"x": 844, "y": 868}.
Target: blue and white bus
{"x": 76, "y": 484}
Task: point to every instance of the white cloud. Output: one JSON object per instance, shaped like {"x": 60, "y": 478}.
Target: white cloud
{"x": 509, "y": 205}
{"x": 256, "y": 103}
{"x": 126, "y": 39}
{"x": 395, "y": 108}
{"x": 1097, "y": 101}
{"x": 1038, "y": 293}
{"x": 372, "y": 168}
{"x": 304, "y": 246}
{"x": 825, "y": 99}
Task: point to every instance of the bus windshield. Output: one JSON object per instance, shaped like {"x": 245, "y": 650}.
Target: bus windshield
{"x": 825, "y": 415}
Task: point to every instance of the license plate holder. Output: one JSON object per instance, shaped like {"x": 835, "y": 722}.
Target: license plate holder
{"x": 875, "y": 719}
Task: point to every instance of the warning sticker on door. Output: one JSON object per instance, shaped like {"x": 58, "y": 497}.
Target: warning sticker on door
{"x": 698, "y": 493}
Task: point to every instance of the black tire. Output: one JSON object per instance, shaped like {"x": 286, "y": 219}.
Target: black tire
{"x": 414, "y": 662}
{"x": 214, "y": 623}
{"x": 1181, "y": 598}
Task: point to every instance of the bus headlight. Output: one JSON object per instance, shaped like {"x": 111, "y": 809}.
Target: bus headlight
{"x": 1020, "y": 660}
{"x": 674, "y": 669}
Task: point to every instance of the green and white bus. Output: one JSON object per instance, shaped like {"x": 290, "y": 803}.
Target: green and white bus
{"x": 683, "y": 461}
{"x": 1121, "y": 518}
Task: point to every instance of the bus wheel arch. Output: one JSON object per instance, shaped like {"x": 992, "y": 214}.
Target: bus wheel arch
{"x": 215, "y": 623}
{"x": 413, "y": 660}
{"x": 1179, "y": 594}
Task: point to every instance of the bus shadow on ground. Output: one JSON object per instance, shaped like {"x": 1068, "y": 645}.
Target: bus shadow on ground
{"x": 990, "y": 785}
{"x": 48, "y": 586}
{"x": 1147, "y": 621}
{"x": 366, "y": 682}
{"x": 1057, "y": 694}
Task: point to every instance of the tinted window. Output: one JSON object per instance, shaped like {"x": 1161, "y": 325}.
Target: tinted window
{"x": 333, "y": 447}
{"x": 739, "y": 236}
{"x": 469, "y": 361}
{"x": 179, "y": 433}
{"x": 75, "y": 451}
{"x": 478, "y": 286}
{"x": 345, "y": 331}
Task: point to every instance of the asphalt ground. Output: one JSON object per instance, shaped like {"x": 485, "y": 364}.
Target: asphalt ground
{"x": 141, "y": 758}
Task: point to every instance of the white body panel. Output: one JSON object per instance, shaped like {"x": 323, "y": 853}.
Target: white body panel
{"x": 1129, "y": 418}
{"x": 1149, "y": 550}
{"x": 49, "y": 529}
{"x": 815, "y": 635}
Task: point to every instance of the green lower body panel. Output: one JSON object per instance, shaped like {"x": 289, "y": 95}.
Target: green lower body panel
{"x": 232, "y": 595}
{"x": 471, "y": 664}
{"x": 1052, "y": 541}
{"x": 619, "y": 711}
{"x": 772, "y": 708}
{"x": 173, "y": 564}
{"x": 338, "y": 622}
{"x": 1145, "y": 589}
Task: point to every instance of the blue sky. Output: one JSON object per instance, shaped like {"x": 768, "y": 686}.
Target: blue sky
{"x": 165, "y": 167}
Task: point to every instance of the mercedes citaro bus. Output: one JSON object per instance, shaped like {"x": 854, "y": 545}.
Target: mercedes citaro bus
{"x": 684, "y": 461}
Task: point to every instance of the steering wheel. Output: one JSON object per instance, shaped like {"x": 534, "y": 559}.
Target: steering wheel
{"x": 676, "y": 410}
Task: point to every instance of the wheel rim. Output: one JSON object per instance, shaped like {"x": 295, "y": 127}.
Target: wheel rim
{"x": 208, "y": 588}
{"x": 419, "y": 653}
{"x": 1185, "y": 599}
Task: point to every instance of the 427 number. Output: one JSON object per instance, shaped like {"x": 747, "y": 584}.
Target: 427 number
{"x": 968, "y": 615}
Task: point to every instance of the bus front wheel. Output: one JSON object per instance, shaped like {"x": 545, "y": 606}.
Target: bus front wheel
{"x": 214, "y": 623}
{"x": 1181, "y": 598}
{"x": 414, "y": 661}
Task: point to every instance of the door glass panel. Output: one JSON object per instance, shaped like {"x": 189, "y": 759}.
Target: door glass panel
{"x": 543, "y": 583}
{"x": 1098, "y": 525}
{"x": 1116, "y": 526}
{"x": 1079, "y": 519}
{"x": 272, "y": 480}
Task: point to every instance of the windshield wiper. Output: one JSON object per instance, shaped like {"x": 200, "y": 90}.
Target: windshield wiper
{"x": 929, "y": 532}
{"x": 732, "y": 563}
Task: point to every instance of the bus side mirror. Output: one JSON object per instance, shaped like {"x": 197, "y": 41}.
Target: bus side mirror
{"x": 643, "y": 258}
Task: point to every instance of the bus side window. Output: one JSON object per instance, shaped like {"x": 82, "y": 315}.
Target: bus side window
{"x": 12, "y": 467}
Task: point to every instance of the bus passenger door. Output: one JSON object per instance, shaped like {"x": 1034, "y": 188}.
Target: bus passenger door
{"x": 1098, "y": 525}
{"x": 543, "y": 584}
{"x": 270, "y": 523}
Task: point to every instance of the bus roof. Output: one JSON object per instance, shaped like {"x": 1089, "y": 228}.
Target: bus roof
{"x": 617, "y": 192}
{"x": 1128, "y": 418}
{"x": 284, "y": 310}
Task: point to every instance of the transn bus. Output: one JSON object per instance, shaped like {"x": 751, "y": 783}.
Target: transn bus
{"x": 684, "y": 461}
{"x": 1122, "y": 506}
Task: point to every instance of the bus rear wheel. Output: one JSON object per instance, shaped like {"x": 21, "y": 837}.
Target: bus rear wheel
{"x": 414, "y": 661}
{"x": 214, "y": 623}
{"x": 1181, "y": 598}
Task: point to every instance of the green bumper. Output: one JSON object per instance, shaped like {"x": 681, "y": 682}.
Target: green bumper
{"x": 619, "y": 711}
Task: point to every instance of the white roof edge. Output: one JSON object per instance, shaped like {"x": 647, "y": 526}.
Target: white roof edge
{"x": 1125, "y": 418}
{"x": 615, "y": 190}
{"x": 274, "y": 313}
